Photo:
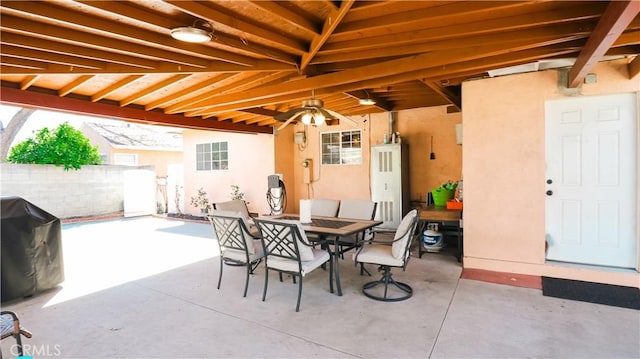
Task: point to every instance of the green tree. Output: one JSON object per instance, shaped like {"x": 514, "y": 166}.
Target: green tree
{"x": 65, "y": 146}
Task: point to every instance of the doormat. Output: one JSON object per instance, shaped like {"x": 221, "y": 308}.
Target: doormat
{"x": 608, "y": 294}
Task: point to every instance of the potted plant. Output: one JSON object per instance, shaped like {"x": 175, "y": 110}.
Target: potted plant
{"x": 201, "y": 201}
{"x": 236, "y": 194}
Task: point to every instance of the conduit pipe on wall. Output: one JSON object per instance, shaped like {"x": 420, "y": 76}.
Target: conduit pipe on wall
{"x": 391, "y": 131}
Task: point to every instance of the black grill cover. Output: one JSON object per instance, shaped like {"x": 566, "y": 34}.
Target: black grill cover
{"x": 31, "y": 249}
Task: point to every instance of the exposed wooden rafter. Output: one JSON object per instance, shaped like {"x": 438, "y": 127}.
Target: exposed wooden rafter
{"x": 612, "y": 23}
{"x": 331, "y": 22}
{"x": 74, "y": 105}
{"x": 266, "y": 57}
{"x": 455, "y": 99}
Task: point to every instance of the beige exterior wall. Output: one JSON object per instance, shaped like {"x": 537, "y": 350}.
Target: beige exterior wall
{"x": 504, "y": 172}
{"x": 353, "y": 181}
{"x": 159, "y": 159}
{"x": 251, "y": 160}
{"x": 285, "y": 162}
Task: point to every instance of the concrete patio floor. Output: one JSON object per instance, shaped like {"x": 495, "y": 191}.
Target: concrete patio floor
{"x": 146, "y": 288}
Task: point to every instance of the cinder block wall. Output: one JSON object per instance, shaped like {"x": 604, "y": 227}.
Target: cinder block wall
{"x": 91, "y": 191}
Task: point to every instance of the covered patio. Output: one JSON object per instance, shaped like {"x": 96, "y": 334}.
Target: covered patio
{"x": 501, "y": 73}
{"x": 111, "y": 306}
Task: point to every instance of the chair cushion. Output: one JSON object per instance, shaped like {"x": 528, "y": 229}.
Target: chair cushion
{"x": 356, "y": 208}
{"x": 239, "y": 256}
{"x": 378, "y": 254}
{"x": 6, "y": 325}
{"x": 324, "y": 207}
{"x": 404, "y": 232}
{"x": 236, "y": 205}
{"x": 319, "y": 256}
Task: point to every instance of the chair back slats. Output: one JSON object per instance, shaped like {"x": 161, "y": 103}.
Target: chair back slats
{"x": 229, "y": 232}
{"x": 232, "y": 232}
{"x": 281, "y": 239}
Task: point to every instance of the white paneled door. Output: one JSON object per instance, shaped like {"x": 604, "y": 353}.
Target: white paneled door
{"x": 591, "y": 184}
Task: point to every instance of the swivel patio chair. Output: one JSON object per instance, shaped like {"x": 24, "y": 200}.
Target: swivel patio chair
{"x": 10, "y": 327}
{"x": 237, "y": 245}
{"x": 388, "y": 254}
{"x": 289, "y": 251}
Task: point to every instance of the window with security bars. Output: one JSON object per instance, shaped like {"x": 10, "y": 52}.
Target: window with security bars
{"x": 212, "y": 156}
{"x": 341, "y": 147}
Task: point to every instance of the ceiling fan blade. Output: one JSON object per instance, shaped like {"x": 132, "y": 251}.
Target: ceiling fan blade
{"x": 288, "y": 121}
{"x": 287, "y": 115}
{"x": 339, "y": 116}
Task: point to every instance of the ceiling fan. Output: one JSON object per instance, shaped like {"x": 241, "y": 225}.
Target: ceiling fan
{"x": 312, "y": 111}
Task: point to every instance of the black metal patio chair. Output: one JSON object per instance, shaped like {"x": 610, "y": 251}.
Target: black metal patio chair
{"x": 289, "y": 251}
{"x": 237, "y": 245}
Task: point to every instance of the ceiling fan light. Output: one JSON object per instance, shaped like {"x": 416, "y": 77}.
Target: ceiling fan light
{"x": 318, "y": 118}
{"x": 306, "y": 118}
{"x": 190, "y": 34}
{"x": 367, "y": 101}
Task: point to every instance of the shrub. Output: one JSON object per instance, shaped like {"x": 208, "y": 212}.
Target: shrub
{"x": 65, "y": 146}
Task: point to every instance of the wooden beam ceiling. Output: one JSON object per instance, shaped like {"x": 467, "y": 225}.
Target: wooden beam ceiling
{"x": 266, "y": 57}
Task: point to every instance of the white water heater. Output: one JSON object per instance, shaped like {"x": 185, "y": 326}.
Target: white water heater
{"x": 390, "y": 183}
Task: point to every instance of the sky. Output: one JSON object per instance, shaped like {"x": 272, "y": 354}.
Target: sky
{"x": 51, "y": 119}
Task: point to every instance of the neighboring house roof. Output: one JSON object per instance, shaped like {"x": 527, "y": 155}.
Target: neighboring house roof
{"x": 139, "y": 137}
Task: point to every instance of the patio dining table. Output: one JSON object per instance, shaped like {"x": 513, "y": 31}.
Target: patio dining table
{"x": 332, "y": 227}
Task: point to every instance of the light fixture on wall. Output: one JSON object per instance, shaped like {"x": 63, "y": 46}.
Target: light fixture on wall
{"x": 194, "y": 33}
{"x": 368, "y": 101}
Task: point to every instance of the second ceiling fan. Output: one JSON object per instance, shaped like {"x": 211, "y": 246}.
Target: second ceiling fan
{"x": 312, "y": 111}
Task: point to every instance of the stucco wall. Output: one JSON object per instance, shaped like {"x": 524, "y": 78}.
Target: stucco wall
{"x": 353, "y": 181}
{"x": 285, "y": 162}
{"x": 91, "y": 191}
{"x": 251, "y": 160}
{"x": 504, "y": 171}
{"x": 160, "y": 160}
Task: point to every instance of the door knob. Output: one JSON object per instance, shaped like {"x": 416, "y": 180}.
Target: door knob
{"x": 549, "y": 192}
{"x": 549, "y": 181}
